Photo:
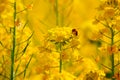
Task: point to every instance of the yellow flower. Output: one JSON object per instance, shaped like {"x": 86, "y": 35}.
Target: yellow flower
{"x": 94, "y": 75}
{"x": 117, "y": 76}
{"x": 65, "y": 56}
{"x": 17, "y": 22}
{"x": 117, "y": 27}
{"x": 2, "y": 7}
{"x": 79, "y": 59}
{"x": 30, "y": 6}
{"x": 74, "y": 43}
{"x": 103, "y": 48}
{"x": 95, "y": 21}
{"x": 100, "y": 17}
{"x": 101, "y": 7}
{"x": 59, "y": 38}
{"x": 64, "y": 35}
{"x": 112, "y": 49}
{"x": 60, "y": 34}
{"x": 97, "y": 59}
{"x": 104, "y": 30}
{"x": 3, "y": 4}
{"x": 117, "y": 23}
{"x": 91, "y": 76}
{"x": 109, "y": 12}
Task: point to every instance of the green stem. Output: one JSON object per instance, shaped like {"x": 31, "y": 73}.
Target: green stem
{"x": 112, "y": 60}
{"x": 57, "y": 13}
{"x": 13, "y": 45}
{"x": 60, "y": 63}
{"x": 112, "y": 56}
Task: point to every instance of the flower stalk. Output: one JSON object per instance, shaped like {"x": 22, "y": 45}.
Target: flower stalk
{"x": 57, "y": 13}
{"x": 13, "y": 45}
{"x": 112, "y": 56}
{"x": 109, "y": 19}
{"x": 60, "y": 45}
{"x": 60, "y": 63}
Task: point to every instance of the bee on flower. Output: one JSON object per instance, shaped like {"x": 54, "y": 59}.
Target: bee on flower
{"x": 63, "y": 34}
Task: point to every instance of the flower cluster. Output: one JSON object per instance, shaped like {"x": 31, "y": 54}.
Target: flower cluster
{"x": 60, "y": 46}
{"x": 108, "y": 21}
{"x": 95, "y": 75}
{"x": 109, "y": 13}
{"x": 15, "y": 41}
{"x": 67, "y": 36}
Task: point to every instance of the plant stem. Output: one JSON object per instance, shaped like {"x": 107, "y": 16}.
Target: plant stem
{"x": 57, "y": 13}
{"x": 112, "y": 56}
{"x": 13, "y": 45}
{"x": 60, "y": 63}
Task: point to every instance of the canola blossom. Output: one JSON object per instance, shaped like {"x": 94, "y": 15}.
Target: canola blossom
{"x": 59, "y": 40}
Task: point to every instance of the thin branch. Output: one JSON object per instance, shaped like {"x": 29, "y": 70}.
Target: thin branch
{"x": 54, "y": 67}
{"x": 25, "y": 25}
{"x": 106, "y": 66}
{"x": 4, "y": 46}
{"x": 24, "y": 71}
{"x": 17, "y": 67}
{"x": 104, "y": 35}
{"x": 104, "y": 41}
{"x": 26, "y": 39}
{"x": 102, "y": 23}
{"x": 4, "y": 76}
{"x": 27, "y": 65}
{"x": 21, "y": 10}
{"x": 116, "y": 41}
{"x": 117, "y": 33}
{"x": 4, "y": 27}
{"x": 21, "y": 37}
{"x": 116, "y": 64}
{"x": 24, "y": 50}
{"x": 20, "y": 73}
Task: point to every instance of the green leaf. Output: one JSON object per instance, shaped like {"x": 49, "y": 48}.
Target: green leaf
{"x": 24, "y": 50}
{"x": 17, "y": 67}
{"x": 26, "y": 39}
{"x": 27, "y": 65}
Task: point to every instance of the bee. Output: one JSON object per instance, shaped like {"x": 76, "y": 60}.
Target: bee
{"x": 74, "y": 32}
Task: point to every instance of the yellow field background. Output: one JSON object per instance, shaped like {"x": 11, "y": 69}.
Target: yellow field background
{"x": 59, "y": 39}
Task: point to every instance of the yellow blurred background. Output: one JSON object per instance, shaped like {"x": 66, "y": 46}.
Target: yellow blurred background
{"x": 75, "y": 13}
